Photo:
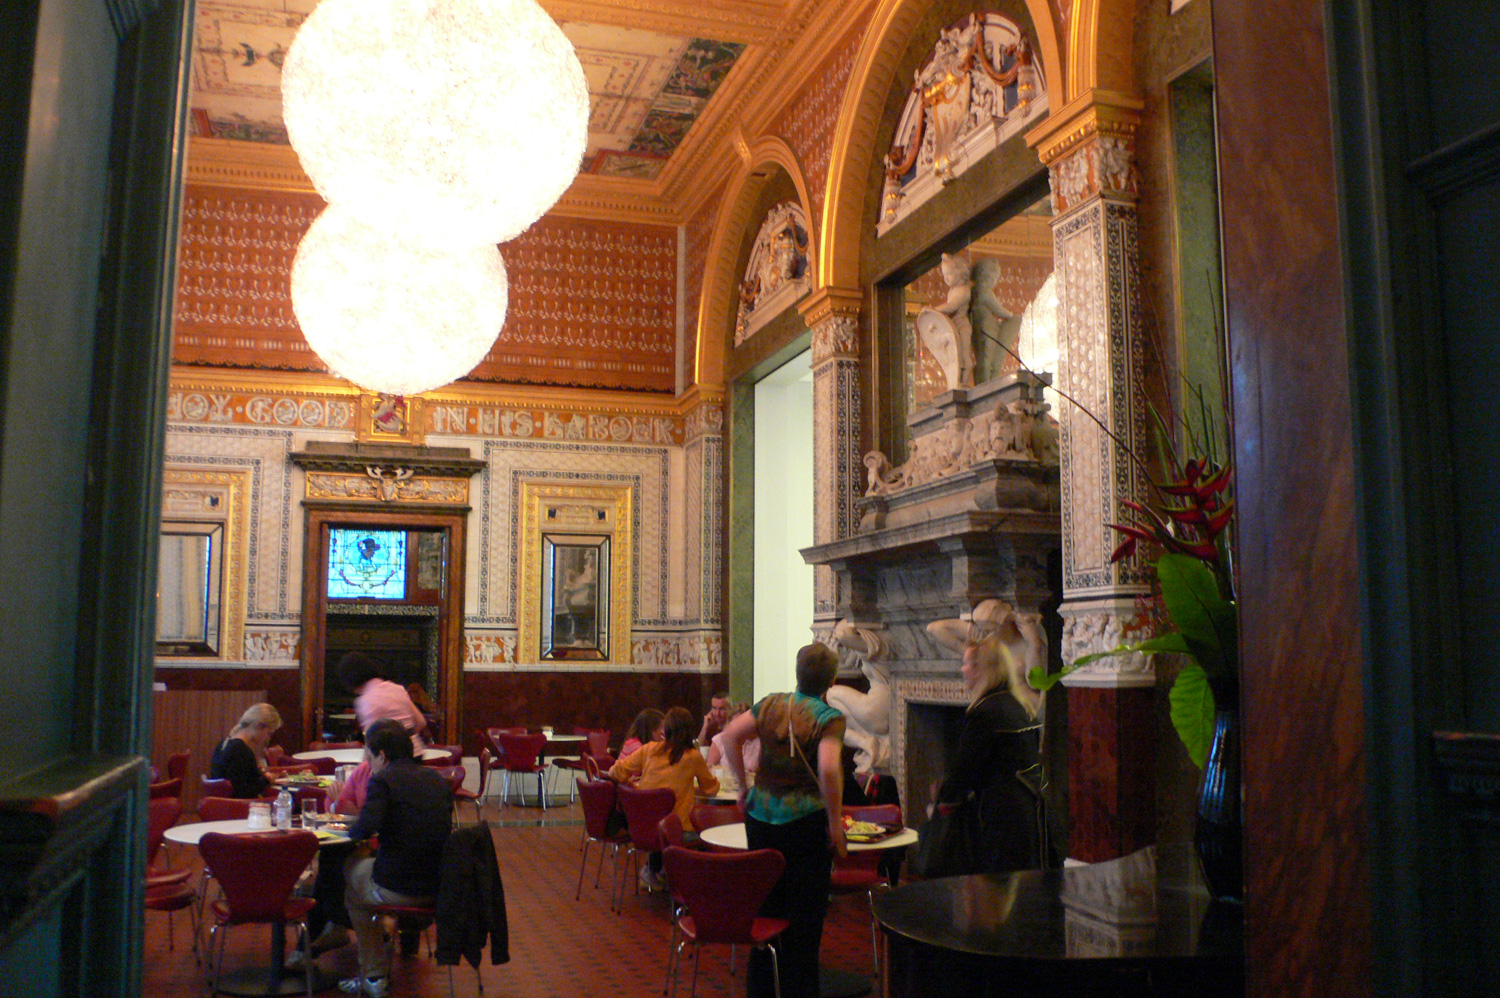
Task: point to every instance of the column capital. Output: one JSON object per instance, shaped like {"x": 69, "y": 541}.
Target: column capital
{"x": 833, "y": 316}
{"x": 703, "y": 411}
{"x": 1088, "y": 116}
{"x": 1089, "y": 149}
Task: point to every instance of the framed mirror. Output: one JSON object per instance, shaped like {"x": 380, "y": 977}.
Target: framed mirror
{"x": 190, "y": 589}
{"x": 576, "y": 572}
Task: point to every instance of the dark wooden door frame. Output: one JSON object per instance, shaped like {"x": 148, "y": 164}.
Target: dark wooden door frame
{"x": 316, "y": 522}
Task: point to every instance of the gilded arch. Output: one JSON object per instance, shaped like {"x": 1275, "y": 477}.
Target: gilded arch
{"x": 719, "y": 280}
{"x": 870, "y": 81}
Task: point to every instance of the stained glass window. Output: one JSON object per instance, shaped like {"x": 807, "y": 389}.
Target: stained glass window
{"x": 366, "y": 564}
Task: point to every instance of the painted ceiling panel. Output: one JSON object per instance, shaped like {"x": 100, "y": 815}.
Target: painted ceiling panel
{"x": 647, "y": 88}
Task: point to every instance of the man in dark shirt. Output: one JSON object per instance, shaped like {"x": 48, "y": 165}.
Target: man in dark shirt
{"x": 409, "y": 807}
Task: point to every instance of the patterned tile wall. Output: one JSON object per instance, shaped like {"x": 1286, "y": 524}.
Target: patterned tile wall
{"x": 808, "y": 120}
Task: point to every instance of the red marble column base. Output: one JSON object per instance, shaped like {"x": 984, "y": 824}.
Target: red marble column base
{"x": 1111, "y": 771}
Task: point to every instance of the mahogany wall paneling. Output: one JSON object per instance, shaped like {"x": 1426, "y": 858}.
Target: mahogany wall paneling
{"x": 1307, "y": 922}
{"x": 196, "y": 720}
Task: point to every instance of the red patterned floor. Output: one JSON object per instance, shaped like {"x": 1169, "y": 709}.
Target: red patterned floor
{"x": 559, "y": 947}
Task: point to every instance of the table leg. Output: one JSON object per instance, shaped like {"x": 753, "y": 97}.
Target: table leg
{"x": 276, "y": 979}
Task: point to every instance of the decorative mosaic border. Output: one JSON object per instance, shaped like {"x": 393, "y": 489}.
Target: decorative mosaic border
{"x": 908, "y": 691}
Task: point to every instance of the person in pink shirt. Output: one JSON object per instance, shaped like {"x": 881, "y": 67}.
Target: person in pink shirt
{"x": 376, "y": 698}
{"x": 352, "y": 797}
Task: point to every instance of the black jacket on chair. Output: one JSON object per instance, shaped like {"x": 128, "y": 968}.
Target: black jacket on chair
{"x": 471, "y": 899}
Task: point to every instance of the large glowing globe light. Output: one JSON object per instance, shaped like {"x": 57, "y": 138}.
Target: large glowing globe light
{"x": 394, "y": 316}
{"x": 453, "y": 120}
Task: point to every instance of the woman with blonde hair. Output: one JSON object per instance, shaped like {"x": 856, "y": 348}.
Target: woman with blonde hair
{"x": 241, "y": 758}
{"x": 996, "y": 767}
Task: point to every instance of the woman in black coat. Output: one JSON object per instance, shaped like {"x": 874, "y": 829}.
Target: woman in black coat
{"x": 997, "y": 763}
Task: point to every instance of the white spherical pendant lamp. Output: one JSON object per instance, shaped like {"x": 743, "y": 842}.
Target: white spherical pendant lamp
{"x": 452, "y": 120}
{"x": 391, "y": 315}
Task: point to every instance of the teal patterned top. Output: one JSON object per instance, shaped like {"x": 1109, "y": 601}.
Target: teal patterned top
{"x": 786, "y": 786}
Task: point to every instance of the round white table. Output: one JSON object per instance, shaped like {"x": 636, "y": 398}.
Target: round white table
{"x": 726, "y": 795}
{"x": 357, "y": 755}
{"x": 189, "y": 835}
{"x": 733, "y": 837}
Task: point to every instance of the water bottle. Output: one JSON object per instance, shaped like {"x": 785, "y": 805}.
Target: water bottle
{"x": 283, "y": 809}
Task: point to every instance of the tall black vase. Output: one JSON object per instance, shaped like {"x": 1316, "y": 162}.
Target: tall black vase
{"x": 1219, "y": 836}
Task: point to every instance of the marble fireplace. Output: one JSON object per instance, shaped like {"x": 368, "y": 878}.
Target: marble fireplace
{"x": 973, "y": 514}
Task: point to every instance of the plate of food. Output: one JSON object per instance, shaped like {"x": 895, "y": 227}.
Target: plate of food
{"x": 867, "y": 831}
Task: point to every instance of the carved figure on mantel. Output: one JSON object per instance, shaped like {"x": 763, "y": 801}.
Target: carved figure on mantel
{"x": 867, "y": 716}
{"x": 880, "y": 477}
{"x": 1019, "y": 634}
{"x": 388, "y": 482}
{"x": 947, "y": 328}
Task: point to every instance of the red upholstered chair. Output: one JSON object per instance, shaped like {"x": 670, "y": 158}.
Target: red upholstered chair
{"x": 579, "y": 765}
{"x": 520, "y": 754}
{"x": 177, "y": 765}
{"x": 454, "y": 756}
{"x": 167, "y": 889}
{"x": 223, "y": 808}
{"x": 598, "y": 798}
{"x": 256, "y": 873}
{"x": 215, "y": 788}
{"x": 327, "y": 746}
{"x": 274, "y": 755}
{"x": 644, "y": 810}
{"x": 722, "y": 893}
{"x": 167, "y": 788}
{"x": 322, "y": 765}
{"x": 860, "y": 873}
{"x": 711, "y": 815}
{"x": 300, "y": 794}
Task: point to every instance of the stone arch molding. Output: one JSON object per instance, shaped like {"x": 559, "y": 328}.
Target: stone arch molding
{"x": 759, "y": 160}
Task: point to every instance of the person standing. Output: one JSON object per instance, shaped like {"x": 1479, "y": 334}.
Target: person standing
{"x": 795, "y": 808}
{"x": 376, "y": 697}
{"x": 241, "y": 758}
{"x": 409, "y": 807}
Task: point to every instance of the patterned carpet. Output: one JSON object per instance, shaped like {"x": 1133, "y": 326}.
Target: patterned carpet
{"x": 560, "y": 948}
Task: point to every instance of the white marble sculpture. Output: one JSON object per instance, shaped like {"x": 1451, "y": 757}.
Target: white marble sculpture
{"x": 945, "y": 328}
{"x": 778, "y": 271}
{"x": 1021, "y": 431}
{"x": 1016, "y": 634}
{"x": 867, "y": 716}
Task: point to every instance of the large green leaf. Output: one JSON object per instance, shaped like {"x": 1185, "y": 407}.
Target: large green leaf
{"x": 1191, "y": 594}
{"x": 1042, "y": 680}
{"x": 1193, "y": 712}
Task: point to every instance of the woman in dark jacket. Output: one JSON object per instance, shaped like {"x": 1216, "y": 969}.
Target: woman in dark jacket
{"x": 997, "y": 763}
{"x": 241, "y": 758}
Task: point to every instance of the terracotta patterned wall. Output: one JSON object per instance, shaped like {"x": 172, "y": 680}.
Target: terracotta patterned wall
{"x": 808, "y": 120}
{"x": 234, "y": 304}
{"x": 592, "y": 304}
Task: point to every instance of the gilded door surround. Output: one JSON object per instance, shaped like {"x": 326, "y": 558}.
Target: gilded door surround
{"x": 556, "y": 509}
{"x": 217, "y": 497}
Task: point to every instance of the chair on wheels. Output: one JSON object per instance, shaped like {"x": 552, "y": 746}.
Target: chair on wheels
{"x": 520, "y": 755}
{"x": 256, "y": 873}
{"x": 721, "y": 893}
{"x": 861, "y": 873}
{"x": 644, "y": 810}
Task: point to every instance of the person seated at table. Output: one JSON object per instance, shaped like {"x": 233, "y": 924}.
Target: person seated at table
{"x": 749, "y": 749}
{"x": 376, "y": 697}
{"x": 409, "y": 807}
{"x": 645, "y": 728}
{"x": 241, "y": 758}
{"x": 672, "y": 762}
{"x": 352, "y": 795}
{"x": 715, "y": 719}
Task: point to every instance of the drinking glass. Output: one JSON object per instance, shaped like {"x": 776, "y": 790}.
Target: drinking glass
{"x": 310, "y": 812}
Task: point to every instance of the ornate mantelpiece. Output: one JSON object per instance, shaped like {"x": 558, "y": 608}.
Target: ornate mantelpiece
{"x": 935, "y": 540}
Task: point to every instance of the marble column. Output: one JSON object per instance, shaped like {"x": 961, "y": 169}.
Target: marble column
{"x": 833, "y": 317}
{"x": 1111, "y": 736}
{"x": 703, "y": 450}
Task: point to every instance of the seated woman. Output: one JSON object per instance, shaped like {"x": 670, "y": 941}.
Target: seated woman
{"x": 999, "y": 750}
{"x": 749, "y": 749}
{"x": 672, "y": 762}
{"x": 645, "y": 728}
{"x": 241, "y": 758}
